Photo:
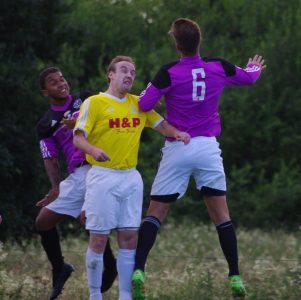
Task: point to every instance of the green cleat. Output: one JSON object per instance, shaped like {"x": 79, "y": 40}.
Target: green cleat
{"x": 138, "y": 285}
{"x": 237, "y": 287}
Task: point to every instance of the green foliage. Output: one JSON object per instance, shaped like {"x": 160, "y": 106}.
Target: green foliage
{"x": 261, "y": 136}
{"x": 186, "y": 263}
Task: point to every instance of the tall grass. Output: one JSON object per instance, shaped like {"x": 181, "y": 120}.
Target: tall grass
{"x": 185, "y": 264}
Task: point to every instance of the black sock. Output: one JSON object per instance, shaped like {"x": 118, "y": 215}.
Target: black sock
{"x": 109, "y": 260}
{"x": 146, "y": 239}
{"x": 51, "y": 243}
{"x": 227, "y": 238}
{"x": 110, "y": 269}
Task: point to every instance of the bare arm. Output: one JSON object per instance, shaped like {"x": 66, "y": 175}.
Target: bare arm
{"x": 167, "y": 129}
{"x": 53, "y": 171}
{"x": 80, "y": 141}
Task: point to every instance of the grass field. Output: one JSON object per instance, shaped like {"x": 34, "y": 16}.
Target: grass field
{"x": 186, "y": 264}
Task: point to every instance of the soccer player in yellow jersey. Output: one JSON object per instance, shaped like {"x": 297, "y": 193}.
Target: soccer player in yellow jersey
{"x": 108, "y": 130}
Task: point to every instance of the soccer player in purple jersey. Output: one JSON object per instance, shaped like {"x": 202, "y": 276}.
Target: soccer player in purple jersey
{"x": 65, "y": 198}
{"x": 191, "y": 87}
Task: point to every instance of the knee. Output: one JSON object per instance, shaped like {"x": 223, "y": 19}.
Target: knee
{"x": 39, "y": 224}
{"x": 128, "y": 240}
{"x": 219, "y": 216}
{"x": 158, "y": 210}
{"x": 98, "y": 242}
{"x": 217, "y": 209}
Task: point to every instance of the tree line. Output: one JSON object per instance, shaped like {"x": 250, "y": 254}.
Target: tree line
{"x": 260, "y": 124}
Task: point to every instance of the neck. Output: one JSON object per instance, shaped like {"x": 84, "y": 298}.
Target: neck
{"x": 59, "y": 102}
{"x": 115, "y": 93}
{"x": 183, "y": 55}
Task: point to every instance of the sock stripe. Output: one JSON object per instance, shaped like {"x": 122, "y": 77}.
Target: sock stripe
{"x": 224, "y": 225}
{"x": 153, "y": 220}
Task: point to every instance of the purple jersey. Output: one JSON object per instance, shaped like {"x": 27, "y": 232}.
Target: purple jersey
{"x": 192, "y": 87}
{"x": 54, "y": 138}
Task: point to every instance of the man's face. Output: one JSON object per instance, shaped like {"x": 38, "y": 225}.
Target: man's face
{"x": 123, "y": 78}
{"x": 56, "y": 86}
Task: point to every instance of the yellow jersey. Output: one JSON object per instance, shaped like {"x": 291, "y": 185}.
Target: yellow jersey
{"x": 115, "y": 126}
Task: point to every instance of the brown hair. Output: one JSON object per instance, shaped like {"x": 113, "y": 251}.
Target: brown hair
{"x": 115, "y": 60}
{"x": 187, "y": 35}
{"x": 45, "y": 73}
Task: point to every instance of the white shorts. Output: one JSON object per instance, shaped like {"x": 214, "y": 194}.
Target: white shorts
{"x": 200, "y": 158}
{"x": 72, "y": 193}
{"x": 113, "y": 199}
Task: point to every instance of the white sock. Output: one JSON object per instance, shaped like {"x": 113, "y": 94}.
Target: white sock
{"x": 94, "y": 267}
{"x": 125, "y": 268}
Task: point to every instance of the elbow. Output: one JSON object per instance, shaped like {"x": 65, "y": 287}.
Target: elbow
{"x": 76, "y": 138}
{"x": 144, "y": 107}
{"x": 75, "y": 141}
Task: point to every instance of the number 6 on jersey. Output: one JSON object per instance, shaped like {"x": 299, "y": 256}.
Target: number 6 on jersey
{"x": 198, "y": 84}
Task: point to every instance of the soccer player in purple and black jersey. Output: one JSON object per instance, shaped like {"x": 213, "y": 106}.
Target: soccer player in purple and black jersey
{"x": 191, "y": 87}
{"x": 65, "y": 198}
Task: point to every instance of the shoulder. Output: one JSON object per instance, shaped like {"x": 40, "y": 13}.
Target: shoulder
{"x": 95, "y": 102}
{"x": 47, "y": 124}
{"x": 79, "y": 98}
{"x": 132, "y": 97}
{"x": 162, "y": 78}
{"x": 228, "y": 68}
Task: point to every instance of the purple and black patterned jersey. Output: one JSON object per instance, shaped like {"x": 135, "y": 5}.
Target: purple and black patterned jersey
{"x": 54, "y": 138}
{"x": 192, "y": 87}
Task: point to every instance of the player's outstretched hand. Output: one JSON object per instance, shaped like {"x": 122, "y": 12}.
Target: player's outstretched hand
{"x": 184, "y": 137}
{"x": 48, "y": 198}
{"x": 258, "y": 61}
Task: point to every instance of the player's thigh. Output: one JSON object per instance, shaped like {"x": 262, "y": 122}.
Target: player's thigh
{"x": 47, "y": 219}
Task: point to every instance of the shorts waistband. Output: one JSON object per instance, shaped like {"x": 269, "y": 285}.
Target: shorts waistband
{"x": 111, "y": 170}
{"x": 195, "y": 138}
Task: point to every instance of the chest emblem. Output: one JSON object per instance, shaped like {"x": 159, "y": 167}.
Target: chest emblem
{"x": 124, "y": 122}
{"x": 77, "y": 103}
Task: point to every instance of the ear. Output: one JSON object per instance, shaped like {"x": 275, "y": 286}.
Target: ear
{"x": 110, "y": 75}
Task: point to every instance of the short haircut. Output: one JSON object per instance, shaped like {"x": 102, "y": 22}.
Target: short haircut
{"x": 117, "y": 59}
{"x": 187, "y": 35}
{"x": 45, "y": 73}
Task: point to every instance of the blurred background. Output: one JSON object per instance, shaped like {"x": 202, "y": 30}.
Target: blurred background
{"x": 261, "y": 136}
